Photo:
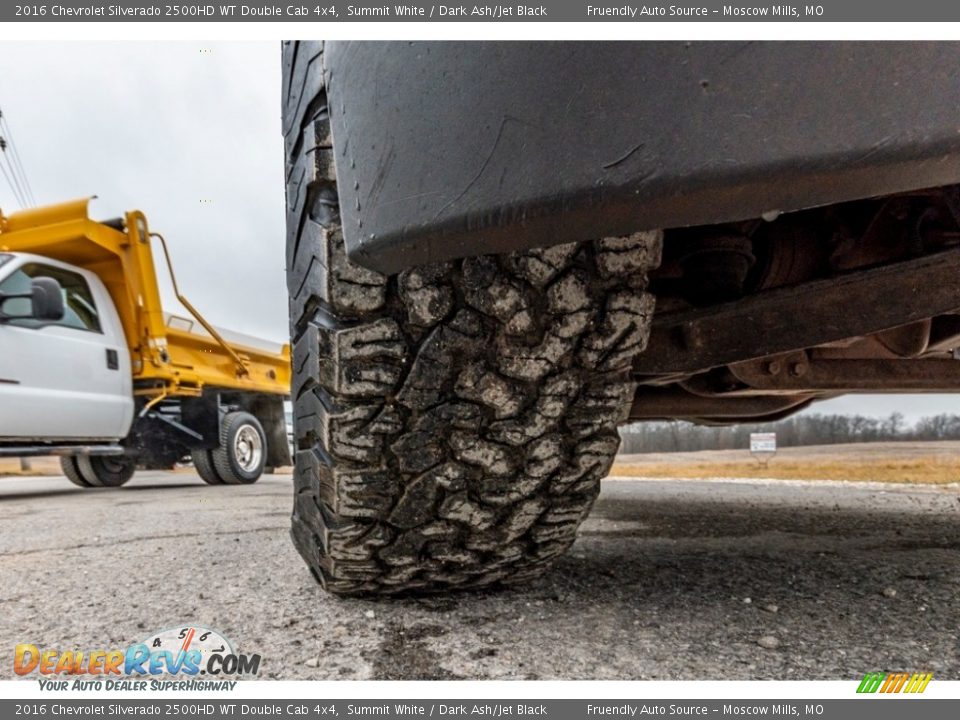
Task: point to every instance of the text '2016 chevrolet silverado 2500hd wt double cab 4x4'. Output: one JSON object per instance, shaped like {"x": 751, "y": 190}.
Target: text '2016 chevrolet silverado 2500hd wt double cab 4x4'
{"x": 477, "y": 233}
{"x": 93, "y": 370}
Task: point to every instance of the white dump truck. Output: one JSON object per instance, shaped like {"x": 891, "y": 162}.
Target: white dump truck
{"x": 92, "y": 369}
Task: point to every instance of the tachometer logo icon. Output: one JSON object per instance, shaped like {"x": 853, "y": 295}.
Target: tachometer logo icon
{"x": 206, "y": 641}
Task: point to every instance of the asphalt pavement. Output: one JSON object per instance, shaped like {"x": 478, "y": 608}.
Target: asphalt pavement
{"x": 668, "y": 580}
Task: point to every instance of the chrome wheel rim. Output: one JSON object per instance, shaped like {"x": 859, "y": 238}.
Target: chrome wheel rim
{"x": 248, "y": 448}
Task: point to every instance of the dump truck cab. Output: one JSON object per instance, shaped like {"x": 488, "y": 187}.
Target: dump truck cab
{"x": 67, "y": 377}
{"x": 93, "y": 368}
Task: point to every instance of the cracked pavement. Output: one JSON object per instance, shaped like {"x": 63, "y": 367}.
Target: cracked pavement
{"x": 668, "y": 580}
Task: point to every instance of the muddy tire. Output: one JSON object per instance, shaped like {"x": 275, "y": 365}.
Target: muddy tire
{"x": 107, "y": 470}
{"x": 452, "y": 422}
{"x": 203, "y": 464}
{"x": 68, "y": 465}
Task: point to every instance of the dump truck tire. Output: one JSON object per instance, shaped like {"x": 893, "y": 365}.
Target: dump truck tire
{"x": 70, "y": 468}
{"x": 106, "y": 471}
{"x": 452, "y": 422}
{"x": 203, "y": 464}
{"x": 242, "y": 454}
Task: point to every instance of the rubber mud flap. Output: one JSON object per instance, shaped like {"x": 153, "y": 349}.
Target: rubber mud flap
{"x": 451, "y": 149}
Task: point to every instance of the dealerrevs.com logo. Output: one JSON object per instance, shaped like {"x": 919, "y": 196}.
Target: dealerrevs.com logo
{"x": 183, "y": 653}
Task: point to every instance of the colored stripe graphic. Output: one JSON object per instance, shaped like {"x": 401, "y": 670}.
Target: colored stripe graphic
{"x": 918, "y": 683}
{"x": 870, "y": 683}
{"x": 894, "y": 683}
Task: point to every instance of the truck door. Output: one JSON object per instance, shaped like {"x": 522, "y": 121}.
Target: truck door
{"x": 66, "y": 380}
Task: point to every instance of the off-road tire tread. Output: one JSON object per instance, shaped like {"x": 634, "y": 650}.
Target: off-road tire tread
{"x": 453, "y": 422}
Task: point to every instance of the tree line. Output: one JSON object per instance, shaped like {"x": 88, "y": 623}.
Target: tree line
{"x": 814, "y": 429}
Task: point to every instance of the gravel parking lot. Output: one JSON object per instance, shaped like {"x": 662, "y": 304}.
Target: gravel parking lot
{"x": 669, "y": 580}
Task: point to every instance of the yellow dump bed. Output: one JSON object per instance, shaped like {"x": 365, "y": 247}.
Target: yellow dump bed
{"x": 170, "y": 356}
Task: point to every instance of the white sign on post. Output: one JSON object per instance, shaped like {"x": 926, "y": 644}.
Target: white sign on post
{"x": 763, "y": 442}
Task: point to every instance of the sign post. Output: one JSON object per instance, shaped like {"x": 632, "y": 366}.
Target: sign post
{"x": 763, "y": 446}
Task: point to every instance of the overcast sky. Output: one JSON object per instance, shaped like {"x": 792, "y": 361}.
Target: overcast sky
{"x": 190, "y": 134}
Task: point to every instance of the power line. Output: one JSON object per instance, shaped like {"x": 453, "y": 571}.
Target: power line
{"x": 15, "y": 183}
{"x": 16, "y": 157}
{"x": 17, "y": 164}
{"x": 16, "y": 195}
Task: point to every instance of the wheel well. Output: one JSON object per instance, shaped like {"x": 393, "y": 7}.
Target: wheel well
{"x": 179, "y": 425}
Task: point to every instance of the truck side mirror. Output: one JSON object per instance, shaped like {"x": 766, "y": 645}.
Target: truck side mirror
{"x": 45, "y": 302}
{"x": 47, "y": 299}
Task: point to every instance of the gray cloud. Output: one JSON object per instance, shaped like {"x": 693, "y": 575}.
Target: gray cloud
{"x": 188, "y": 133}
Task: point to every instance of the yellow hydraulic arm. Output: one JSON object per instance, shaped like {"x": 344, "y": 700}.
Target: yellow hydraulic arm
{"x": 167, "y": 360}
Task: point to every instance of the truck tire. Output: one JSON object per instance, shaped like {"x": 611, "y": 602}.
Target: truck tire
{"x": 242, "y": 454}
{"x": 68, "y": 464}
{"x": 106, "y": 471}
{"x": 452, "y": 422}
{"x": 203, "y": 464}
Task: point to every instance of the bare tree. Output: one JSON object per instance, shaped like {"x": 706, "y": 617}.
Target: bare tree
{"x": 812, "y": 429}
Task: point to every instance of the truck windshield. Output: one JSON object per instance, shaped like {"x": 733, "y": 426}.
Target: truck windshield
{"x": 4, "y": 257}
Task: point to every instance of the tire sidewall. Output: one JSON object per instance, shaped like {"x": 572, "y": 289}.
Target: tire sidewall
{"x": 71, "y": 470}
{"x": 103, "y": 472}
{"x": 234, "y": 427}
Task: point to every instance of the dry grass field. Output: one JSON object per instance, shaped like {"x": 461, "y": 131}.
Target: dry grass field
{"x": 38, "y": 466}
{"x": 933, "y": 463}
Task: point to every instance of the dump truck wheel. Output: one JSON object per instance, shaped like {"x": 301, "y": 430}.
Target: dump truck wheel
{"x": 452, "y": 422}
{"x": 242, "y": 454}
{"x": 69, "y": 467}
{"x": 203, "y": 464}
{"x": 106, "y": 471}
